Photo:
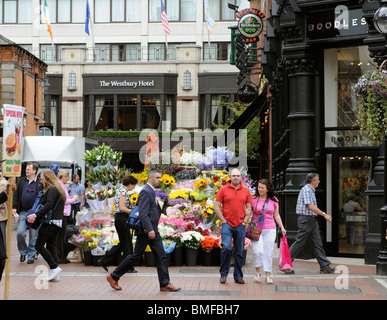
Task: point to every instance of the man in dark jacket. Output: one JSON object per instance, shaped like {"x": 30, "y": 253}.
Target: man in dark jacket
{"x": 27, "y": 188}
{"x": 149, "y": 212}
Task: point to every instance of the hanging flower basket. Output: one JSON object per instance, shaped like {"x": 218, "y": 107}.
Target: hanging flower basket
{"x": 371, "y": 90}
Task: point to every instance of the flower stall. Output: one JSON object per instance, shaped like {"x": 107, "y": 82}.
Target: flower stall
{"x": 188, "y": 225}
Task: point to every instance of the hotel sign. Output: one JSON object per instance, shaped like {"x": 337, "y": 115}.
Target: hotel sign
{"x": 125, "y": 83}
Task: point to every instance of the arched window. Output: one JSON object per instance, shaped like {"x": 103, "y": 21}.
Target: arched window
{"x": 187, "y": 80}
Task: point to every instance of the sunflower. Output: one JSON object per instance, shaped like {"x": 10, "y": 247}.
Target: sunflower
{"x": 134, "y": 198}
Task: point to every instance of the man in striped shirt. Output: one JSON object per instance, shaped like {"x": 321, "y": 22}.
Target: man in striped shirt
{"x": 308, "y": 227}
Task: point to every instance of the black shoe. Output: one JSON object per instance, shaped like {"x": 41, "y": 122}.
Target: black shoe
{"x": 30, "y": 261}
{"x": 327, "y": 269}
{"x": 131, "y": 271}
{"x": 240, "y": 281}
{"x": 287, "y": 271}
{"x": 223, "y": 279}
{"x": 22, "y": 258}
{"x": 103, "y": 265}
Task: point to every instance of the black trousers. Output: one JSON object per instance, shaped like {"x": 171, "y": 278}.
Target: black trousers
{"x": 48, "y": 234}
{"x": 157, "y": 248}
{"x": 125, "y": 245}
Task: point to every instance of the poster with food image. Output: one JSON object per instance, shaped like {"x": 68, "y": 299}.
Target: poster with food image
{"x": 12, "y": 140}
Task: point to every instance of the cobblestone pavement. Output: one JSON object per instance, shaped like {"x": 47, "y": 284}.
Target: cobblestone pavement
{"x": 355, "y": 281}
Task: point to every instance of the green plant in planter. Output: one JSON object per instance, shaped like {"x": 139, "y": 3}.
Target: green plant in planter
{"x": 371, "y": 90}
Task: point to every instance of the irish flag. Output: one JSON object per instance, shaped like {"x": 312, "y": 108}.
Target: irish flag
{"x": 47, "y": 18}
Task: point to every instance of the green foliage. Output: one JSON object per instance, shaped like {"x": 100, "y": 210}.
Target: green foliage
{"x": 371, "y": 90}
{"x": 253, "y": 136}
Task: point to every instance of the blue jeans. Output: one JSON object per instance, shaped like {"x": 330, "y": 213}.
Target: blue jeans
{"x": 24, "y": 249}
{"x": 238, "y": 234}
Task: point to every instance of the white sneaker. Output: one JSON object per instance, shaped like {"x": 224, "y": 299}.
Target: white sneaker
{"x": 257, "y": 278}
{"x": 54, "y": 273}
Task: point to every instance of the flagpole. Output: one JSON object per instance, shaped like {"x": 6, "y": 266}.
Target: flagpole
{"x": 166, "y": 46}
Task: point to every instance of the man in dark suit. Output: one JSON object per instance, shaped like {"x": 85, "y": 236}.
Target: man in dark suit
{"x": 149, "y": 212}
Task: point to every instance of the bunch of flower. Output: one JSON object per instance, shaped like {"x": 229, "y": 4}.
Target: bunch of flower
{"x": 91, "y": 194}
{"x": 166, "y": 182}
{"x": 87, "y": 240}
{"x": 191, "y": 239}
{"x": 371, "y": 110}
{"x": 201, "y": 184}
{"x": 102, "y": 154}
{"x": 102, "y": 194}
{"x": 111, "y": 192}
{"x": 142, "y": 177}
{"x": 209, "y": 243}
{"x": 185, "y": 184}
{"x": 186, "y": 174}
{"x": 182, "y": 193}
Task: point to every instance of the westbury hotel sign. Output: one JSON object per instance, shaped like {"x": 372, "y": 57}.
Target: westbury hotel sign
{"x": 125, "y": 83}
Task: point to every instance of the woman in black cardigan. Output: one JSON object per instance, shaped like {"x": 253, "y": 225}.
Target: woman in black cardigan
{"x": 48, "y": 232}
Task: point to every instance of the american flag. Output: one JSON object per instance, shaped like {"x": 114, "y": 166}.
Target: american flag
{"x": 164, "y": 19}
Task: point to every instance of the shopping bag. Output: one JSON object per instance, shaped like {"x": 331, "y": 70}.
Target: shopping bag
{"x": 285, "y": 260}
{"x": 254, "y": 228}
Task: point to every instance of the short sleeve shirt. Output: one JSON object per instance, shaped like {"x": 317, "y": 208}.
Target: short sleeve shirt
{"x": 120, "y": 193}
{"x": 307, "y": 196}
{"x": 234, "y": 203}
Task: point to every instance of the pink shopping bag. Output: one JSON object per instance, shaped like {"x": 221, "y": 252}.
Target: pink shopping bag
{"x": 285, "y": 260}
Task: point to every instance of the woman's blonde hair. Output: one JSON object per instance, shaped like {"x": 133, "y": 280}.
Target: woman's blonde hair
{"x": 63, "y": 173}
{"x": 52, "y": 180}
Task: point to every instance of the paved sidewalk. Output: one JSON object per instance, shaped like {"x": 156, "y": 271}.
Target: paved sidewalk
{"x": 355, "y": 281}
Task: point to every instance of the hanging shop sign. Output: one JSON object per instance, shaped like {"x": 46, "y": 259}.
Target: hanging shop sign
{"x": 250, "y": 24}
{"x": 247, "y": 93}
{"x": 12, "y": 142}
{"x": 340, "y": 22}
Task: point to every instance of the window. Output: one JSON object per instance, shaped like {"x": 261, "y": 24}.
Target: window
{"x": 187, "y": 80}
{"x": 219, "y": 10}
{"x": 150, "y": 112}
{"x": 117, "y": 11}
{"x": 54, "y": 105}
{"x": 117, "y": 52}
{"x": 16, "y": 11}
{"x": 216, "y": 51}
{"x": 104, "y": 113}
{"x": 65, "y": 11}
{"x": 177, "y": 10}
{"x": 220, "y": 113}
{"x": 127, "y": 112}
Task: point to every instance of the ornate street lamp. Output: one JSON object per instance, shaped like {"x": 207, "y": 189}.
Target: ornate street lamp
{"x": 380, "y": 23}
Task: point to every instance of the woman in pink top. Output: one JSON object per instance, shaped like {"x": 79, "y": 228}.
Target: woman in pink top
{"x": 63, "y": 176}
{"x": 263, "y": 249}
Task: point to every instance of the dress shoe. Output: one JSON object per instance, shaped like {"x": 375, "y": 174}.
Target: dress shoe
{"x": 223, "y": 279}
{"x": 170, "y": 287}
{"x": 327, "y": 269}
{"x": 131, "y": 271}
{"x": 102, "y": 265}
{"x": 240, "y": 281}
{"x": 22, "y": 258}
{"x": 30, "y": 261}
{"x": 113, "y": 283}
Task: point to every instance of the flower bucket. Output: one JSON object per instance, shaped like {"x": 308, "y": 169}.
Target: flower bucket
{"x": 191, "y": 257}
{"x": 177, "y": 256}
{"x": 207, "y": 258}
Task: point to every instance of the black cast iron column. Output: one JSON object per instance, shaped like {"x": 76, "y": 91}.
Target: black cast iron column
{"x": 381, "y": 264}
{"x": 302, "y": 139}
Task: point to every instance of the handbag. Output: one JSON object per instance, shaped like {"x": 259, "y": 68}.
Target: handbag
{"x": 35, "y": 208}
{"x": 285, "y": 259}
{"x": 254, "y": 228}
{"x": 134, "y": 221}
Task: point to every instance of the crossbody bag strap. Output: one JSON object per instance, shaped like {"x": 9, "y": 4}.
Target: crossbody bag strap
{"x": 263, "y": 208}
